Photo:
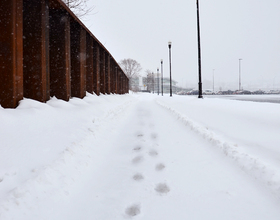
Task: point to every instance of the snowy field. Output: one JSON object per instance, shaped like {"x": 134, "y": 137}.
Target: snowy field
{"x": 140, "y": 156}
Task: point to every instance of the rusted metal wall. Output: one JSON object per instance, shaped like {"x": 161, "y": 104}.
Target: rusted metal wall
{"x": 11, "y": 53}
{"x": 60, "y": 53}
{"x": 45, "y": 50}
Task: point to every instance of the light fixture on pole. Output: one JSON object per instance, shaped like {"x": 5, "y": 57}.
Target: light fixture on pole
{"x": 169, "y": 46}
{"x": 240, "y": 74}
{"x": 161, "y": 62}
{"x": 199, "y": 53}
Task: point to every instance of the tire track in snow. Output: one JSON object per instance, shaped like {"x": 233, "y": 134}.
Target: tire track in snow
{"x": 254, "y": 167}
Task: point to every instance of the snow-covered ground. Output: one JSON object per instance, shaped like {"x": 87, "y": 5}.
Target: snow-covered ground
{"x": 140, "y": 156}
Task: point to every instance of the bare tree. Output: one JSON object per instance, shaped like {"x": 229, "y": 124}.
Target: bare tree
{"x": 79, "y": 7}
{"x": 132, "y": 70}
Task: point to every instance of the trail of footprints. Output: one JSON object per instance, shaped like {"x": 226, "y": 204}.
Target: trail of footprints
{"x": 160, "y": 188}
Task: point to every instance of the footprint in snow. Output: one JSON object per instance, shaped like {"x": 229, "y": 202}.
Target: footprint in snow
{"x": 162, "y": 188}
{"x": 137, "y": 148}
{"x": 139, "y": 135}
{"x": 133, "y": 210}
{"x": 160, "y": 167}
{"x": 137, "y": 159}
{"x": 138, "y": 177}
{"x": 153, "y": 153}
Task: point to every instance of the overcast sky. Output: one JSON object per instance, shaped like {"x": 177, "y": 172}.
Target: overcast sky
{"x": 230, "y": 30}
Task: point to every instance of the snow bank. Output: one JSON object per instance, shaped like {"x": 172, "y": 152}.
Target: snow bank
{"x": 43, "y": 150}
{"x": 243, "y": 131}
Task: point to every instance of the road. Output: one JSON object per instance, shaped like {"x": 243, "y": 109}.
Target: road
{"x": 253, "y": 98}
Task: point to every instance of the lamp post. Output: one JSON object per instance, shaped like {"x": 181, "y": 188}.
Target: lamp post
{"x": 161, "y": 62}
{"x": 158, "y": 80}
{"x": 199, "y": 53}
{"x": 153, "y": 83}
{"x": 240, "y": 74}
{"x": 169, "y": 46}
{"x": 213, "y": 81}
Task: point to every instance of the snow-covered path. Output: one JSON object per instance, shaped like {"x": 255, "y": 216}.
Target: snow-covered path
{"x": 141, "y": 161}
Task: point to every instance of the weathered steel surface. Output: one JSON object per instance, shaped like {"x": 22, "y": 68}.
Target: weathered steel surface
{"x": 11, "y": 53}
{"x": 116, "y": 80}
{"x": 45, "y": 50}
{"x": 102, "y": 71}
{"x": 36, "y": 50}
{"x": 107, "y": 74}
{"x": 89, "y": 64}
{"x": 60, "y": 59}
{"x": 78, "y": 60}
{"x": 112, "y": 75}
{"x": 96, "y": 68}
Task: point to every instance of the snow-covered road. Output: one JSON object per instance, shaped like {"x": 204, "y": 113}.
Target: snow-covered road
{"x": 146, "y": 157}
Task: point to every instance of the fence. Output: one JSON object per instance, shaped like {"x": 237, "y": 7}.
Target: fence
{"x": 45, "y": 51}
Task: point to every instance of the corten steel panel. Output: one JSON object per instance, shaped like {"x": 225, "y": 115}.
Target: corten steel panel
{"x": 60, "y": 54}
{"x": 102, "y": 71}
{"x": 11, "y": 53}
{"x": 96, "y": 68}
{"x": 116, "y": 80}
{"x": 120, "y": 83}
{"x": 127, "y": 85}
{"x": 124, "y": 83}
{"x": 107, "y": 73}
{"x": 78, "y": 60}
{"x": 36, "y": 49}
{"x": 89, "y": 64}
{"x": 112, "y": 77}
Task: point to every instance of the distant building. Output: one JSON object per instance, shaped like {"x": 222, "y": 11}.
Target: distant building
{"x": 154, "y": 85}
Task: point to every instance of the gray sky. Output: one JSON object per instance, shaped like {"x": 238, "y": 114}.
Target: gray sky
{"x": 230, "y": 29}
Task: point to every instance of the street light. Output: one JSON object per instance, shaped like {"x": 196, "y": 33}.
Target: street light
{"x": 161, "y": 62}
{"x": 213, "y": 81}
{"x": 158, "y": 80}
{"x": 240, "y": 74}
{"x": 169, "y": 46}
{"x": 199, "y": 53}
{"x": 153, "y": 83}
